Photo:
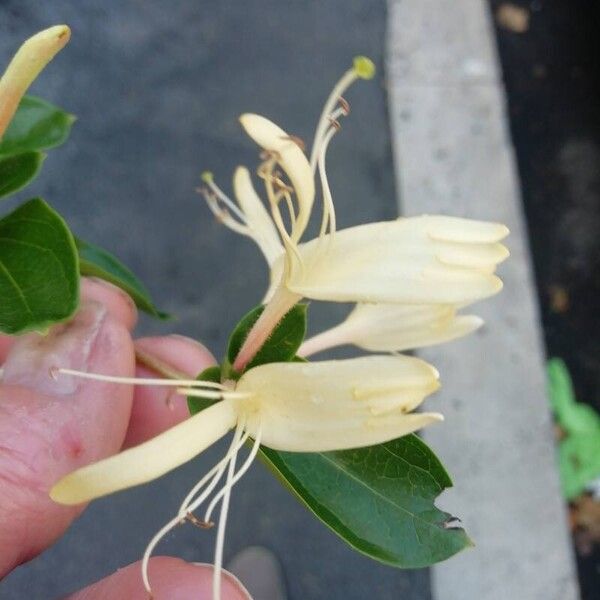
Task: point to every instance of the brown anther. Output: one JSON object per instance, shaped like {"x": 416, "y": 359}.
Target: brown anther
{"x": 194, "y": 520}
{"x": 335, "y": 123}
{"x": 270, "y": 155}
{"x": 345, "y": 105}
{"x": 297, "y": 140}
{"x": 53, "y": 372}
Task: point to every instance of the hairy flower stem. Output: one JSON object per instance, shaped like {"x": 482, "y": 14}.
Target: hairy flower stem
{"x": 280, "y": 304}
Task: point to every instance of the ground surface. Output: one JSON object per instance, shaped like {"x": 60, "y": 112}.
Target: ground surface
{"x": 552, "y": 78}
{"x": 157, "y": 88}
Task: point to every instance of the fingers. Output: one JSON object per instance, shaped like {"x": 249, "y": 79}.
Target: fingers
{"x": 116, "y": 301}
{"x": 50, "y": 427}
{"x": 156, "y": 409}
{"x": 171, "y": 579}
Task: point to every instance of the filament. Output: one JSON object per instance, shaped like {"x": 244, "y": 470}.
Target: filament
{"x": 223, "y": 215}
{"x": 226, "y": 494}
{"x": 340, "y": 87}
{"x": 216, "y": 473}
{"x": 230, "y": 204}
{"x": 328, "y": 206}
{"x": 236, "y": 444}
{"x": 218, "y": 566}
{"x": 138, "y": 380}
{"x": 247, "y": 464}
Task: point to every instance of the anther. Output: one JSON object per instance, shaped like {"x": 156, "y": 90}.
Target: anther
{"x": 54, "y": 372}
{"x": 335, "y": 123}
{"x": 345, "y": 105}
{"x": 194, "y": 520}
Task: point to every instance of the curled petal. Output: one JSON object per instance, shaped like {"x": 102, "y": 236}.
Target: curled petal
{"x": 336, "y": 405}
{"x": 403, "y": 261}
{"x": 292, "y": 160}
{"x": 148, "y": 460}
{"x": 394, "y": 328}
{"x": 258, "y": 219}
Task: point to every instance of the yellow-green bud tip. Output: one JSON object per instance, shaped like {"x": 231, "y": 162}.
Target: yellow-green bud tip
{"x": 207, "y": 177}
{"x": 364, "y": 67}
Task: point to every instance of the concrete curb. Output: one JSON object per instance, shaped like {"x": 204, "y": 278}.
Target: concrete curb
{"x": 453, "y": 155}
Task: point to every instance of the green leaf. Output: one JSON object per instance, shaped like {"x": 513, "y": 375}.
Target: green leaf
{"x": 380, "y": 499}
{"x": 579, "y": 462}
{"x": 283, "y": 343}
{"x": 195, "y": 405}
{"x": 17, "y": 171}
{"x": 36, "y": 125}
{"x": 39, "y": 280}
{"x": 96, "y": 262}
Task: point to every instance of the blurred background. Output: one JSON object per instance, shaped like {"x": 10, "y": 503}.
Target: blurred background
{"x": 157, "y": 88}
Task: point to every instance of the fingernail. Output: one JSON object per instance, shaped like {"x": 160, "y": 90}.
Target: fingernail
{"x": 111, "y": 288}
{"x": 34, "y": 357}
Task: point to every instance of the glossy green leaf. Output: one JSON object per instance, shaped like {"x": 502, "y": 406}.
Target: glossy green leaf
{"x": 39, "y": 280}
{"x": 195, "y": 405}
{"x": 283, "y": 343}
{"x": 380, "y": 499}
{"x": 96, "y": 262}
{"x": 17, "y": 171}
{"x": 37, "y": 125}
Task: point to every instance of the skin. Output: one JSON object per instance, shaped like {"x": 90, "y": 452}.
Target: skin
{"x": 48, "y": 428}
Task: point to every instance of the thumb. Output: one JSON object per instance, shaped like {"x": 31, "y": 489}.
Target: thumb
{"x": 49, "y": 427}
{"x": 171, "y": 578}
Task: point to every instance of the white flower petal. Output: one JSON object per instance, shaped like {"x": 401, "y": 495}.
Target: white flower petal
{"x": 148, "y": 460}
{"x": 397, "y": 327}
{"x": 335, "y": 405}
{"x": 455, "y": 229}
{"x": 291, "y": 158}
{"x": 398, "y": 262}
{"x": 258, "y": 219}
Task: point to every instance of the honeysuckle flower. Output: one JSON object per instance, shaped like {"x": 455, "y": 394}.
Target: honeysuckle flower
{"x": 416, "y": 272}
{"x": 426, "y": 260}
{"x": 297, "y": 407}
{"x": 394, "y": 328}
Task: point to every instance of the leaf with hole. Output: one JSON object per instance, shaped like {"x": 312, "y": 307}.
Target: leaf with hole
{"x": 379, "y": 499}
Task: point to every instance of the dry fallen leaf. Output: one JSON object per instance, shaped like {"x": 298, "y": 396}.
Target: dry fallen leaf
{"x": 513, "y": 17}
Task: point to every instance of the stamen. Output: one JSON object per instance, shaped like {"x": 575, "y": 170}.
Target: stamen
{"x": 180, "y": 383}
{"x": 199, "y": 523}
{"x": 247, "y": 464}
{"x": 362, "y": 68}
{"x": 218, "y": 566}
{"x": 222, "y": 214}
{"x": 189, "y": 504}
{"x": 226, "y": 493}
{"x": 207, "y": 177}
{"x": 215, "y": 473}
{"x": 328, "y": 206}
{"x": 213, "y": 395}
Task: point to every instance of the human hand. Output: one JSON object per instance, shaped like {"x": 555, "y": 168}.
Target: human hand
{"x": 50, "y": 427}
